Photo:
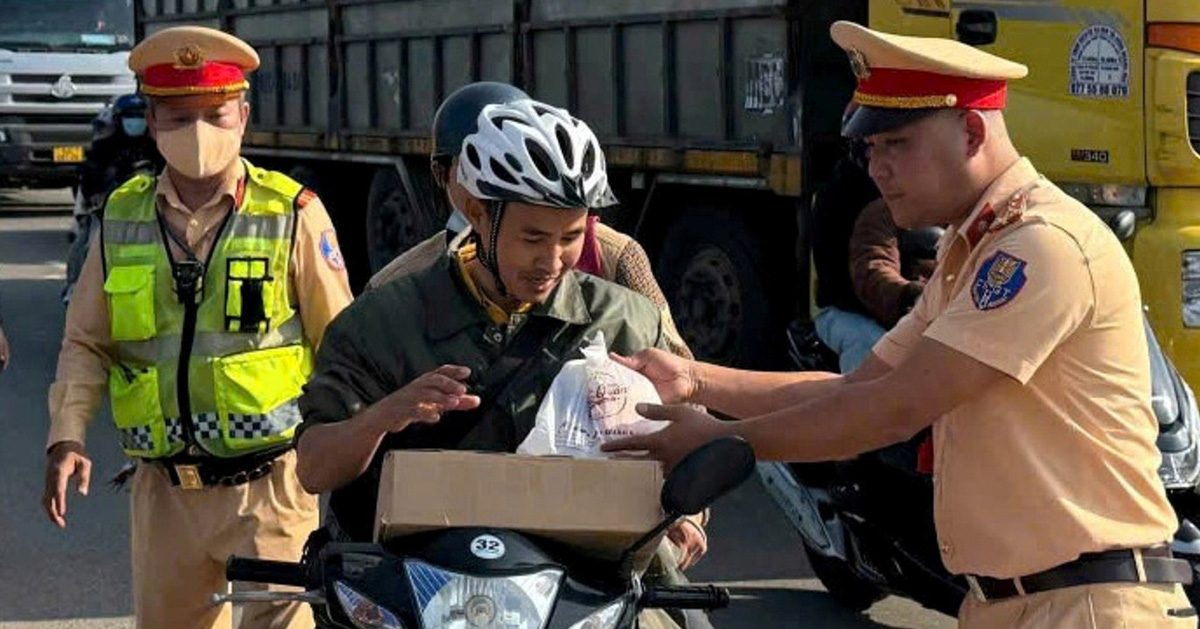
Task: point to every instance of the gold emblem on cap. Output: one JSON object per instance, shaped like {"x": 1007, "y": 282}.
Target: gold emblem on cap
{"x": 858, "y": 64}
{"x": 188, "y": 56}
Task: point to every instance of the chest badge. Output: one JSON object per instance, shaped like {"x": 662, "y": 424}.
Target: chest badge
{"x": 999, "y": 280}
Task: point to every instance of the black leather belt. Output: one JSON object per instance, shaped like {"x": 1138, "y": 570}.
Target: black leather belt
{"x": 1148, "y": 565}
{"x": 193, "y": 472}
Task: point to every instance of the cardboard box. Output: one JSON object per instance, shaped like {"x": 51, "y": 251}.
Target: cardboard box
{"x": 597, "y": 505}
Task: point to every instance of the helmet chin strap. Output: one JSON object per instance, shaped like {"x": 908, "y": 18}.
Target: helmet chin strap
{"x": 488, "y": 256}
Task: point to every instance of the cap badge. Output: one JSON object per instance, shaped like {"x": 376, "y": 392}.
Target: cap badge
{"x": 188, "y": 56}
{"x": 858, "y": 64}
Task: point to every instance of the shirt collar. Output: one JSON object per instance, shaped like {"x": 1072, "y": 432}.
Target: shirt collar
{"x": 450, "y": 308}
{"x": 999, "y": 204}
{"x": 231, "y": 189}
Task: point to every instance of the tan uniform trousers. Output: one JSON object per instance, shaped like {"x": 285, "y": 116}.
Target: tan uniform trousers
{"x": 1102, "y": 606}
{"x": 181, "y": 539}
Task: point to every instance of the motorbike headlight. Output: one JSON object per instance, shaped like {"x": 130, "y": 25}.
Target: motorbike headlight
{"x": 606, "y": 618}
{"x": 449, "y": 600}
{"x": 363, "y": 612}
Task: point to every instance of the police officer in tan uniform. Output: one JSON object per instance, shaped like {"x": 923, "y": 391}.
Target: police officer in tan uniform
{"x": 197, "y": 312}
{"x": 1026, "y": 353}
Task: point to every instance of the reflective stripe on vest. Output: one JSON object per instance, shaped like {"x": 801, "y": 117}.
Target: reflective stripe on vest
{"x": 249, "y": 356}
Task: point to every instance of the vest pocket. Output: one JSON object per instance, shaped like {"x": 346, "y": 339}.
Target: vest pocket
{"x": 256, "y": 396}
{"x": 137, "y": 411}
{"x": 130, "y": 291}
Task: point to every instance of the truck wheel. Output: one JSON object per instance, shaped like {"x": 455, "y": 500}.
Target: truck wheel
{"x": 394, "y": 222}
{"x": 713, "y": 269}
{"x": 847, "y": 588}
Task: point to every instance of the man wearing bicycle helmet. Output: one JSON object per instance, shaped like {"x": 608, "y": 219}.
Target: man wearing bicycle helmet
{"x": 459, "y": 355}
{"x": 607, "y": 253}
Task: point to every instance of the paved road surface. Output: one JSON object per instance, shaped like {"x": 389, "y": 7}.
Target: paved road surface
{"x": 80, "y": 577}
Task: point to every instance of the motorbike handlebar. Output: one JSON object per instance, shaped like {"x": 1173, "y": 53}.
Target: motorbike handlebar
{"x": 685, "y": 597}
{"x": 266, "y": 571}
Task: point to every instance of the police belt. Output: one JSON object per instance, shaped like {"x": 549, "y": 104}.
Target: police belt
{"x": 1136, "y": 565}
{"x": 187, "y": 471}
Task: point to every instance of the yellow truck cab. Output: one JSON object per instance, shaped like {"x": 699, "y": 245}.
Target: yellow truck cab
{"x": 1110, "y": 111}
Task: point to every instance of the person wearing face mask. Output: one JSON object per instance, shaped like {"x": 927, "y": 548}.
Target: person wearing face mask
{"x": 121, "y": 147}
{"x": 198, "y": 311}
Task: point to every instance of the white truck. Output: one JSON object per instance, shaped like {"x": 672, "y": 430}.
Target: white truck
{"x": 61, "y": 63}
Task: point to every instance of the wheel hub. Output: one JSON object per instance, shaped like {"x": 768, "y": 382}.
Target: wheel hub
{"x": 709, "y": 306}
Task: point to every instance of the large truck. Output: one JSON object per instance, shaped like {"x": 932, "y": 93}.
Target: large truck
{"x": 61, "y": 64}
{"x": 720, "y": 118}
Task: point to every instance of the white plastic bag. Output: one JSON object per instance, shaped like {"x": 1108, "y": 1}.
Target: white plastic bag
{"x": 591, "y": 400}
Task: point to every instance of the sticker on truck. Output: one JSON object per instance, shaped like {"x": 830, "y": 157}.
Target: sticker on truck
{"x": 765, "y": 85}
{"x": 1099, "y": 64}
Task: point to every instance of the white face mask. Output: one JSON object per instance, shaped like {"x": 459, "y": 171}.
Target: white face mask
{"x": 199, "y": 150}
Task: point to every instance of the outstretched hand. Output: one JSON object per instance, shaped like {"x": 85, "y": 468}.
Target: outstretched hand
{"x": 673, "y": 377}
{"x": 689, "y": 429}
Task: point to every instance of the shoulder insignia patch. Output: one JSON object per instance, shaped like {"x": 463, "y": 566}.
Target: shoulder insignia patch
{"x": 306, "y": 197}
{"x": 331, "y": 252}
{"x": 999, "y": 280}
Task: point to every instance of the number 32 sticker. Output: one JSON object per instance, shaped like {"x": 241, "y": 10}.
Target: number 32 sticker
{"x": 487, "y": 547}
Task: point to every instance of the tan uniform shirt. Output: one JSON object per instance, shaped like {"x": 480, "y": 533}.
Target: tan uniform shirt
{"x": 319, "y": 287}
{"x": 1060, "y": 458}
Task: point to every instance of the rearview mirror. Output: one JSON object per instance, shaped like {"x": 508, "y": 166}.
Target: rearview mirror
{"x": 709, "y": 472}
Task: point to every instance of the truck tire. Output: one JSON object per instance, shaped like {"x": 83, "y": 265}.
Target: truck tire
{"x": 394, "y": 221}
{"x": 845, "y": 587}
{"x": 713, "y": 269}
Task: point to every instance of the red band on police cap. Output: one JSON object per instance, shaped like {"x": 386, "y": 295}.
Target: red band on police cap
{"x": 213, "y": 77}
{"x": 916, "y": 89}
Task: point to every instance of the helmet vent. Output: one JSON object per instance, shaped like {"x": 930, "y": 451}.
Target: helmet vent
{"x": 541, "y": 160}
{"x": 502, "y": 172}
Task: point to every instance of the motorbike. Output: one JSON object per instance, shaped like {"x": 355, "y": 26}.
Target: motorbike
{"x": 485, "y": 577}
{"x": 867, "y": 523}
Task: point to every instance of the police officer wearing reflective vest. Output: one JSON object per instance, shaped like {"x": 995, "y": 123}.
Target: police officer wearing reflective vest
{"x": 198, "y": 311}
{"x": 1025, "y": 352}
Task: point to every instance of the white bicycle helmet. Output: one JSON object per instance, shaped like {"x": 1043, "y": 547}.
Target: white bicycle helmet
{"x": 530, "y": 152}
{"x": 526, "y": 151}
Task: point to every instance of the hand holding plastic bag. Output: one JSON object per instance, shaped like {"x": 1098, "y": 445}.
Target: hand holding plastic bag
{"x": 591, "y": 401}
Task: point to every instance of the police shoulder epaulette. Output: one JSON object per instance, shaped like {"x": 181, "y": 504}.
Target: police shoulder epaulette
{"x": 305, "y": 197}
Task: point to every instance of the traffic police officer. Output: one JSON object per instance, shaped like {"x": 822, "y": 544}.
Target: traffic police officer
{"x": 198, "y": 309}
{"x": 1026, "y": 353}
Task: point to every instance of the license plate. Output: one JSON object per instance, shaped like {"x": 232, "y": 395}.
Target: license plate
{"x": 68, "y": 153}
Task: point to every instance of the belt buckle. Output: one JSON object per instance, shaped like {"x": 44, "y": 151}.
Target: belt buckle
{"x": 189, "y": 477}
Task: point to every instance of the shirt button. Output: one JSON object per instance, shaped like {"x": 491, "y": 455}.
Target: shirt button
{"x": 193, "y": 222}
{"x": 949, "y": 278}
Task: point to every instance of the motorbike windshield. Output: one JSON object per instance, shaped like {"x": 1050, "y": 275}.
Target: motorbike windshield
{"x": 66, "y": 25}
